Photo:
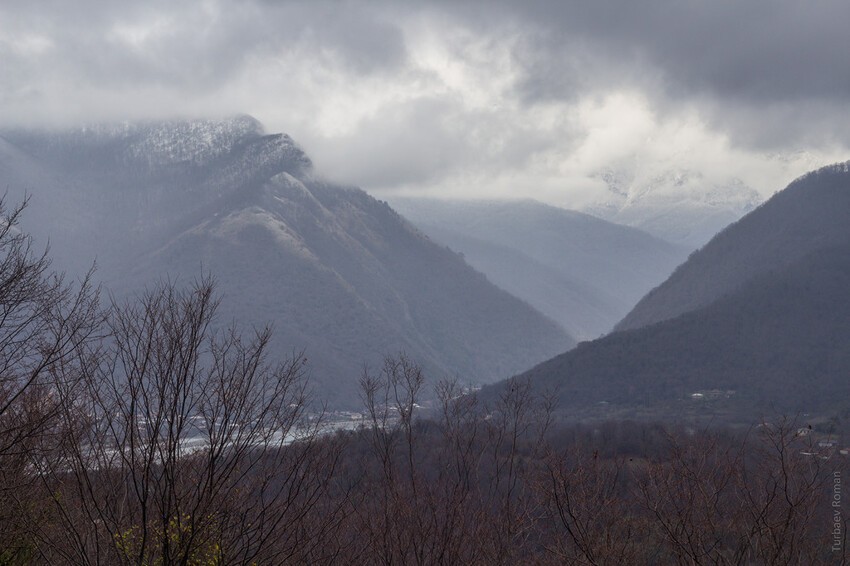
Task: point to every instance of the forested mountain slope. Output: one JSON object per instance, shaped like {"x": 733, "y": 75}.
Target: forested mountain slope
{"x": 811, "y": 213}
{"x": 776, "y": 344}
{"x": 583, "y": 272}
{"x": 757, "y": 321}
{"x": 338, "y": 273}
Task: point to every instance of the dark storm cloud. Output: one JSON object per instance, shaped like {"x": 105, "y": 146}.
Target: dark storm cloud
{"x": 759, "y": 50}
{"x": 754, "y": 52}
{"x": 760, "y": 58}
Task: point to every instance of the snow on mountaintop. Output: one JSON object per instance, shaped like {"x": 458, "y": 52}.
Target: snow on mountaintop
{"x": 679, "y": 205}
{"x": 625, "y": 188}
{"x": 154, "y": 145}
{"x": 197, "y": 141}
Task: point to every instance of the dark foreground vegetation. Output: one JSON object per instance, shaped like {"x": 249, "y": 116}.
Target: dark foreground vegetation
{"x": 143, "y": 433}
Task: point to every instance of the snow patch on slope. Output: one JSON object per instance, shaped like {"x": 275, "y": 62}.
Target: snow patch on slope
{"x": 679, "y": 205}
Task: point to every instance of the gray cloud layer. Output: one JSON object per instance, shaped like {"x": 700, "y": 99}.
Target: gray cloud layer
{"x": 445, "y": 93}
{"x": 760, "y": 50}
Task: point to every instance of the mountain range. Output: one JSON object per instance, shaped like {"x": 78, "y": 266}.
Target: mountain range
{"x": 756, "y": 322}
{"x": 583, "y": 272}
{"x": 338, "y": 274}
{"x": 680, "y": 205}
{"x": 811, "y": 213}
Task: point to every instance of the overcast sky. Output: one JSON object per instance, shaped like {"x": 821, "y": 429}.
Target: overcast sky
{"x": 511, "y": 98}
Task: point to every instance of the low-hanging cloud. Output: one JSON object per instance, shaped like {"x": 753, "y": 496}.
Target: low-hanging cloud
{"x": 498, "y": 98}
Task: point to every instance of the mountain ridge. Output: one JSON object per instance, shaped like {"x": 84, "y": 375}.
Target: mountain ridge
{"x": 808, "y": 214}
{"x": 750, "y": 346}
{"x": 680, "y": 205}
{"x": 771, "y": 337}
{"x": 337, "y": 272}
{"x": 582, "y": 271}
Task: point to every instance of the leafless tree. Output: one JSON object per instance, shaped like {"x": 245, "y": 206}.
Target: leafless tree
{"x": 392, "y": 523}
{"x": 784, "y": 489}
{"x": 451, "y": 486}
{"x": 691, "y": 499}
{"x": 709, "y": 498}
{"x": 43, "y": 318}
{"x": 759, "y": 501}
{"x": 515, "y": 435}
{"x": 591, "y": 517}
{"x": 183, "y": 445}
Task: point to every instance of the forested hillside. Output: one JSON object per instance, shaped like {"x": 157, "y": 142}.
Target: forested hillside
{"x": 339, "y": 274}
{"x": 583, "y": 272}
{"x": 811, "y": 213}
